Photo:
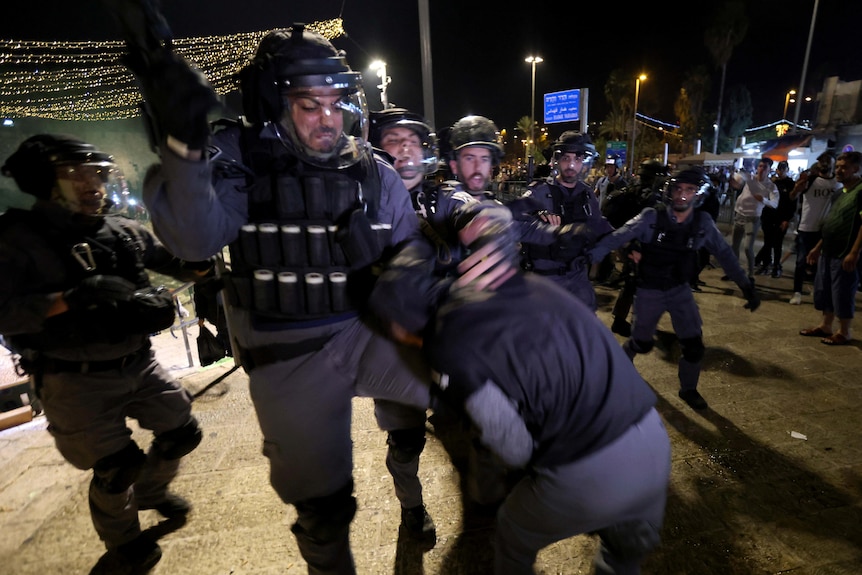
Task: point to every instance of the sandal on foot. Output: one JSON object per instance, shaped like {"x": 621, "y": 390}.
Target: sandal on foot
{"x": 814, "y": 332}
{"x": 835, "y": 339}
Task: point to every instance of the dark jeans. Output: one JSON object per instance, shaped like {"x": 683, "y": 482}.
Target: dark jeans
{"x": 773, "y": 244}
{"x": 805, "y": 241}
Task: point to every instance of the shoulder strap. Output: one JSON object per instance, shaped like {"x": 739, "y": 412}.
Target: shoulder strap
{"x": 557, "y": 196}
{"x": 366, "y": 173}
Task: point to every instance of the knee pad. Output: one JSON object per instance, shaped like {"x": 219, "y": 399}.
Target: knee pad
{"x": 630, "y": 540}
{"x": 405, "y": 445}
{"x": 692, "y": 349}
{"x": 641, "y": 345}
{"x": 117, "y": 472}
{"x": 177, "y": 442}
{"x": 325, "y": 519}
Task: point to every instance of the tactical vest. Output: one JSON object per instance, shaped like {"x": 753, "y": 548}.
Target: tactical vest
{"x": 424, "y": 198}
{"x": 311, "y": 239}
{"x": 572, "y": 208}
{"x": 103, "y": 248}
{"x": 670, "y": 259}
{"x": 438, "y": 228}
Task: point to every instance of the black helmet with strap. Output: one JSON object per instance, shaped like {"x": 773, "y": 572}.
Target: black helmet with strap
{"x": 475, "y": 131}
{"x": 33, "y": 165}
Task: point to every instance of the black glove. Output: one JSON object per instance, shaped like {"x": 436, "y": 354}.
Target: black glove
{"x": 178, "y": 95}
{"x": 487, "y": 230}
{"x": 750, "y": 295}
{"x": 99, "y": 291}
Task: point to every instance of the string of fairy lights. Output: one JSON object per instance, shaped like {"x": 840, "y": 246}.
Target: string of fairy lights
{"x": 88, "y": 81}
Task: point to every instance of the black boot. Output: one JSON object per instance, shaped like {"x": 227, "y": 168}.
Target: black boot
{"x": 621, "y": 327}
{"x": 417, "y": 523}
{"x": 776, "y": 271}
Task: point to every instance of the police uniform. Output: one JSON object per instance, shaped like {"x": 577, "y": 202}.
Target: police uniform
{"x": 93, "y": 368}
{"x": 306, "y": 348}
{"x": 668, "y": 260}
{"x": 563, "y": 264}
{"x": 583, "y": 425}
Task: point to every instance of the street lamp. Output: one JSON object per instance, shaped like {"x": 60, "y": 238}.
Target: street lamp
{"x": 533, "y": 60}
{"x": 638, "y": 81}
{"x": 806, "y": 100}
{"x": 379, "y": 66}
{"x": 787, "y": 100}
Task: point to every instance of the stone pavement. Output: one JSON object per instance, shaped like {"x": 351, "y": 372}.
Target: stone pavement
{"x": 767, "y": 481}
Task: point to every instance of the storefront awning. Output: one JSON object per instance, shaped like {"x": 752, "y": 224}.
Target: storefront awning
{"x": 779, "y": 148}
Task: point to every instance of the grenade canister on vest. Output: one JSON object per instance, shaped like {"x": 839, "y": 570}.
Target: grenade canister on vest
{"x": 310, "y": 238}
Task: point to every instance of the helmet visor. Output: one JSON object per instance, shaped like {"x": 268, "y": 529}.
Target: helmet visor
{"x": 326, "y": 126}
{"x": 83, "y": 188}
{"x": 412, "y": 148}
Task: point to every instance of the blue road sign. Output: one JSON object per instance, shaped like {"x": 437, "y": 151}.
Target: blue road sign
{"x": 563, "y": 106}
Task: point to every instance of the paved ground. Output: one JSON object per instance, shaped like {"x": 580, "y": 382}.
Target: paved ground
{"x": 767, "y": 481}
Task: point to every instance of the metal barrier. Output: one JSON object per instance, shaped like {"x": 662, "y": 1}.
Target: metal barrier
{"x": 183, "y": 324}
{"x": 509, "y": 190}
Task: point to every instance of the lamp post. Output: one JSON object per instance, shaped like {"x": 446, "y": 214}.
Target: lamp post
{"x": 638, "y": 81}
{"x": 805, "y": 100}
{"x": 787, "y": 100}
{"x": 379, "y": 67}
{"x": 533, "y": 60}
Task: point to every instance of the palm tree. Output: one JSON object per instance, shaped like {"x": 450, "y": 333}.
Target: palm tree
{"x": 540, "y": 142}
{"x": 615, "y": 125}
{"x": 689, "y": 104}
{"x": 619, "y": 92}
{"x": 730, "y": 24}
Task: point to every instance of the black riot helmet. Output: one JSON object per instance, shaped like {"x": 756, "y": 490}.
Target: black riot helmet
{"x": 695, "y": 176}
{"x": 288, "y": 64}
{"x": 649, "y": 171}
{"x": 34, "y": 164}
{"x": 475, "y": 131}
{"x": 382, "y": 120}
{"x": 615, "y": 161}
{"x": 572, "y": 142}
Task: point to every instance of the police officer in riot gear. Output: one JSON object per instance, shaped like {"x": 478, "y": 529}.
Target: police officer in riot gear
{"x": 567, "y": 201}
{"x": 397, "y": 131}
{"x": 474, "y": 151}
{"x": 308, "y": 212}
{"x": 76, "y": 303}
{"x": 612, "y": 180}
{"x": 412, "y": 145}
{"x": 670, "y": 235}
{"x": 621, "y": 206}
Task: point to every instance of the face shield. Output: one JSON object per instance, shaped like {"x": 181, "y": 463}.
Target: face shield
{"x": 570, "y": 166}
{"x": 326, "y": 125}
{"x": 83, "y": 188}
{"x": 422, "y": 139}
{"x": 682, "y": 196}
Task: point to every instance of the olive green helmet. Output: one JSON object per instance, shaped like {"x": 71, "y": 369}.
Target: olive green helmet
{"x": 475, "y": 131}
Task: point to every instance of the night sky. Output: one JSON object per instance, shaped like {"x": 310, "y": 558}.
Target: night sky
{"x": 478, "y": 48}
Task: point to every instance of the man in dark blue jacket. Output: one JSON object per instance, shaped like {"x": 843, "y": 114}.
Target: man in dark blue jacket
{"x": 574, "y": 413}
